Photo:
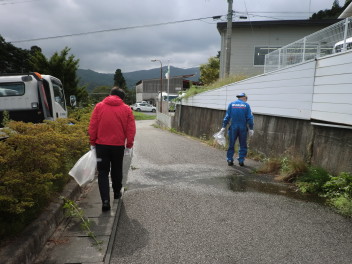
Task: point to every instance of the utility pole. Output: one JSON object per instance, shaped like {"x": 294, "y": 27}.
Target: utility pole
{"x": 228, "y": 39}
{"x": 161, "y": 85}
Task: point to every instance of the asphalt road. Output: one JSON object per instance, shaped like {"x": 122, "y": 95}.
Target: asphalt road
{"x": 185, "y": 205}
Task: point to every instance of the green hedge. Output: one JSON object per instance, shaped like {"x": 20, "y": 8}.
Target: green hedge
{"x": 34, "y": 163}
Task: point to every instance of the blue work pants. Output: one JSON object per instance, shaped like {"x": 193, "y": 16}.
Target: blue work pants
{"x": 240, "y": 132}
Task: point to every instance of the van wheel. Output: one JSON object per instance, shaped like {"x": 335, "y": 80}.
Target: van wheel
{"x": 153, "y": 111}
{"x": 138, "y": 110}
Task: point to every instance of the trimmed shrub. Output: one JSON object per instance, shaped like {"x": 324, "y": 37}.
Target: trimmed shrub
{"x": 34, "y": 164}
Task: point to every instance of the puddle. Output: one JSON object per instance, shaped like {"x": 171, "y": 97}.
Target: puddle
{"x": 257, "y": 183}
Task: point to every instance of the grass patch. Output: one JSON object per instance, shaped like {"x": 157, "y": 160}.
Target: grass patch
{"x": 142, "y": 116}
{"x": 219, "y": 83}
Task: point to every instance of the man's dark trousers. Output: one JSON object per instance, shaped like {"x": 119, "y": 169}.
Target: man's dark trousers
{"x": 109, "y": 157}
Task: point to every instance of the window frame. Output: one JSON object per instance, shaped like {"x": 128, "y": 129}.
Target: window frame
{"x": 271, "y": 48}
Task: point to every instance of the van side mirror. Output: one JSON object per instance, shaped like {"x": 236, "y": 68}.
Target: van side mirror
{"x": 73, "y": 101}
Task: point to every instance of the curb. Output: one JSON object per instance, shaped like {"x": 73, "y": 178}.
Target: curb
{"x": 27, "y": 247}
{"x": 109, "y": 249}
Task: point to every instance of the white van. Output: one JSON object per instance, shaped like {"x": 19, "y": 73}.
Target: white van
{"x": 338, "y": 47}
{"x": 32, "y": 97}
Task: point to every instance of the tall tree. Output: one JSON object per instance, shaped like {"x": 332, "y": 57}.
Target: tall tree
{"x": 63, "y": 66}
{"x": 119, "y": 80}
{"x": 209, "y": 72}
{"x": 13, "y": 59}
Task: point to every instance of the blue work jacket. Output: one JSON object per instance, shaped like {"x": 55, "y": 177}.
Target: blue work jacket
{"x": 239, "y": 112}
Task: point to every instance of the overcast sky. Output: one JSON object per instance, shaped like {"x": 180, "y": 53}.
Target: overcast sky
{"x": 128, "y": 41}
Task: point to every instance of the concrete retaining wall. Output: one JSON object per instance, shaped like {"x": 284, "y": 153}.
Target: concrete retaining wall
{"x": 327, "y": 147}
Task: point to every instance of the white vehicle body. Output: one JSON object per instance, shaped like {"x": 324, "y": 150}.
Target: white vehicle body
{"x": 32, "y": 97}
{"x": 338, "y": 47}
{"x": 143, "y": 107}
{"x": 166, "y": 96}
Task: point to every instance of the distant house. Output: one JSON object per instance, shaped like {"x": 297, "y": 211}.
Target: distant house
{"x": 147, "y": 90}
{"x": 251, "y": 41}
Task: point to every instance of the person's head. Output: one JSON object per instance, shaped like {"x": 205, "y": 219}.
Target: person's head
{"x": 118, "y": 91}
{"x": 242, "y": 96}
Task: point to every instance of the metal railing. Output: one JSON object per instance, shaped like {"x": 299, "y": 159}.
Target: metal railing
{"x": 333, "y": 39}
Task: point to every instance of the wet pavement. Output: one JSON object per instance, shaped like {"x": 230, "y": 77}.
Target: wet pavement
{"x": 183, "y": 204}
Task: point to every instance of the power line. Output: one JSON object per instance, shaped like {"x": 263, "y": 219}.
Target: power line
{"x": 14, "y": 3}
{"x": 114, "y": 29}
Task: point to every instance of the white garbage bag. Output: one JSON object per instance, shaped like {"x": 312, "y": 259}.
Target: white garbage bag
{"x": 220, "y": 138}
{"x": 84, "y": 169}
{"x": 128, "y": 152}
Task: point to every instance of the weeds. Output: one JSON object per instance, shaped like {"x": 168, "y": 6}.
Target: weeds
{"x": 336, "y": 189}
{"x": 313, "y": 180}
{"x": 72, "y": 210}
{"x": 5, "y": 118}
{"x": 217, "y": 84}
{"x": 270, "y": 165}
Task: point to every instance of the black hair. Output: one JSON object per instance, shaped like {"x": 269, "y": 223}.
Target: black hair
{"x": 118, "y": 91}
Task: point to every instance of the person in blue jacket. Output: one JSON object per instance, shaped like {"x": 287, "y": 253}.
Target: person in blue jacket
{"x": 240, "y": 114}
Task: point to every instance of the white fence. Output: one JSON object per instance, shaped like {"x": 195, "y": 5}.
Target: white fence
{"x": 313, "y": 90}
{"x": 333, "y": 39}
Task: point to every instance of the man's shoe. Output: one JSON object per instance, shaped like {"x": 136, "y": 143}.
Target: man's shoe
{"x": 106, "y": 206}
{"x": 230, "y": 162}
{"x": 241, "y": 163}
{"x": 117, "y": 195}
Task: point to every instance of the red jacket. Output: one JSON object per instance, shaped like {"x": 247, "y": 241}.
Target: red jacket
{"x": 112, "y": 123}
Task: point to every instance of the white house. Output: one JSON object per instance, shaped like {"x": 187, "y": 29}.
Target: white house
{"x": 251, "y": 41}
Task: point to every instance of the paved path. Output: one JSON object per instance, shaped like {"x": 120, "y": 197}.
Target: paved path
{"x": 185, "y": 205}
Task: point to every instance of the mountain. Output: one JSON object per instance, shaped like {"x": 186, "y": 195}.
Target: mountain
{"x": 93, "y": 79}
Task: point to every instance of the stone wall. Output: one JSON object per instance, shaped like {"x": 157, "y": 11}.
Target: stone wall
{"x": 327, "y": 147}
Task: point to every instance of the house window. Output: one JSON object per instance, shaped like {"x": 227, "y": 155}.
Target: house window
{"x": 260, "y": 52}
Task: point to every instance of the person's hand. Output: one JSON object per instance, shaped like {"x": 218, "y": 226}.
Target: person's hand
{"x": 222, "y": 130}
{"x": 92, "y": 147}
{"x": 251, "y": 133}
{"x": 128, "y": 152}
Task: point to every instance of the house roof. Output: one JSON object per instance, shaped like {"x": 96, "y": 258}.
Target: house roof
{"x": 171, "y": 77}
{"x": 274, "y": 23}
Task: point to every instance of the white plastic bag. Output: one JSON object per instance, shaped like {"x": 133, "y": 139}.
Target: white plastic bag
{"x": 84, "y": 169}
{"x": 220, "y": 138}
{"x": 128, "y": 152}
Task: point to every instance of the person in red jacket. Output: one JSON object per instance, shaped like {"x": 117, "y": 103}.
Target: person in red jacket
{"x": 112, "y": 128}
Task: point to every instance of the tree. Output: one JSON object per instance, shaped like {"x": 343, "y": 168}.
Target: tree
{"x": 13, "y": 59}
{"x": 332, "y": 13}
{"x": 62, "y": 66}
{"x": 99, "y": 93}
{"x": 130, "y": 96}
{"x": 209, "y": 72}
{"x": 119, "y": 80}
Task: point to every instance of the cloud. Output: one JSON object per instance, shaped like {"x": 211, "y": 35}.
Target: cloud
{"x": 184, "y": 44}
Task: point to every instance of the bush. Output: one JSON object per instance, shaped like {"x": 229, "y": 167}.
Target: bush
{"x": 339, "y": 185}
{"x": 313, "y": 180}
{"x": 34, "y": 164}
{"x": 338, "y": 190}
